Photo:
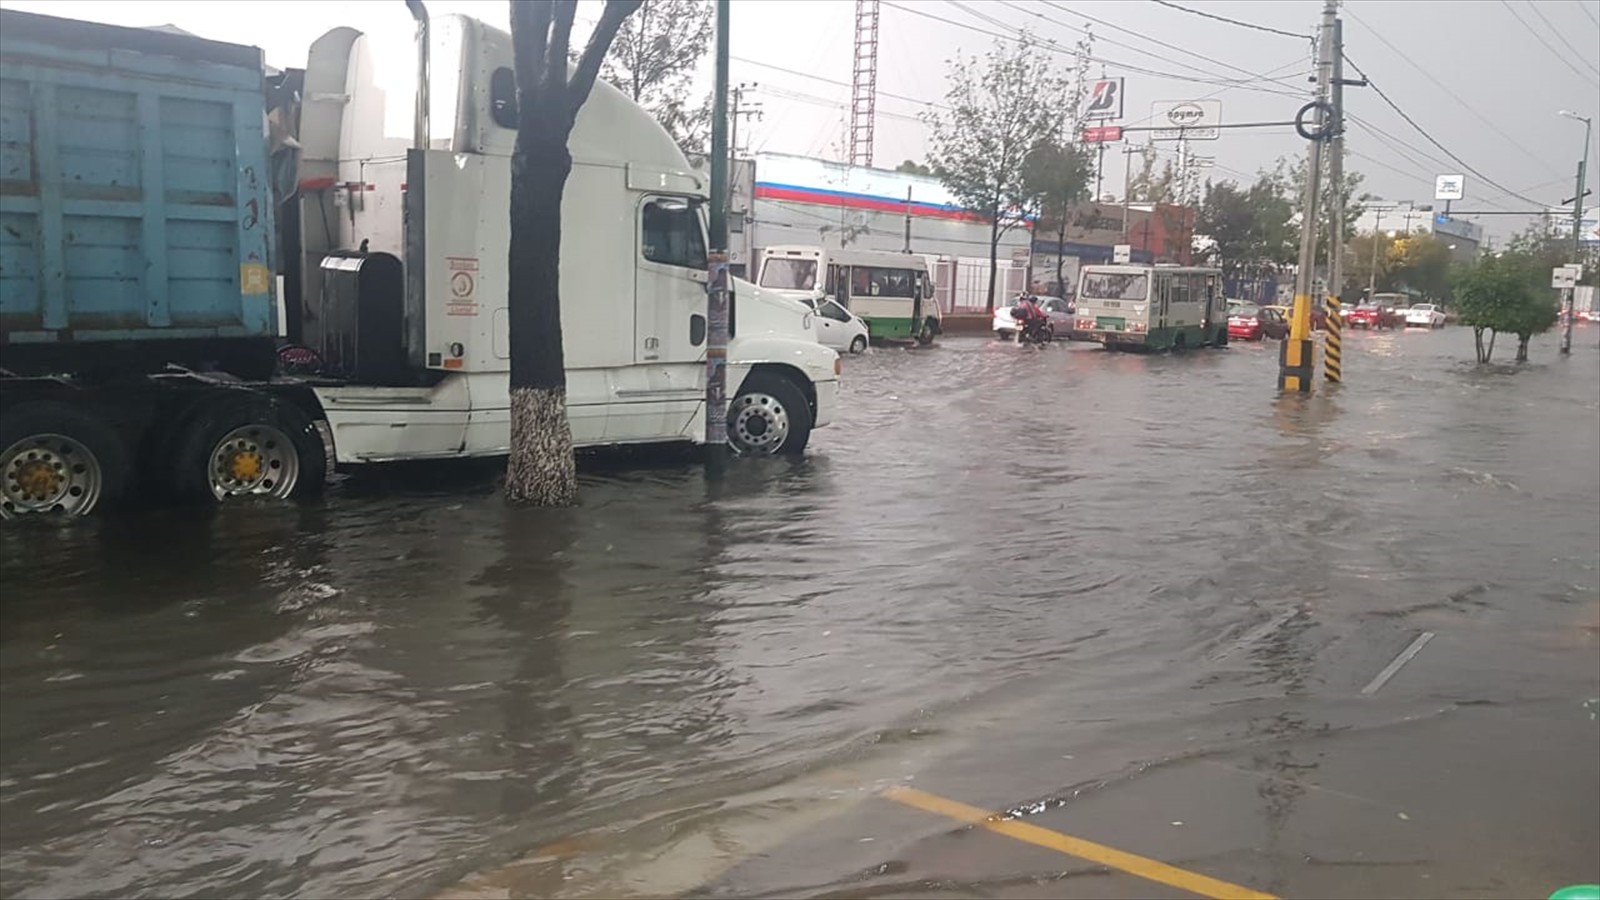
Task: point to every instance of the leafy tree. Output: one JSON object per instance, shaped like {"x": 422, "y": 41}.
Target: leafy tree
{"x": 1059, "y": 175}
{"x": 999, "y": 109}
{"x": 541, "y": 469}
{"x": 1250, "y": 229}
{"x": 653, "y": 60}
{"x": 912, "y": 167}
{"x": 1502, "y": 293}
{"x": 1422, "y": 262}
{"x": 1291, "y": 178}
{"x": 1150, "y": 186}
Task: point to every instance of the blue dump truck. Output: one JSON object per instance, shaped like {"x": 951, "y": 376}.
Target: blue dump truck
{"x": 218, "y": 279}
{"x": 138, "y": 316}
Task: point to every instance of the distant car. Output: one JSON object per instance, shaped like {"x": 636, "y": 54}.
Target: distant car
{"x": 1372, "y": 317}
{"x": 1424, "y": 315}
{"x": 1254, "y": 323}
{"x": 837, "y": 327}
{"x": 1060, "y": 312}
{"x": 1589, "y": 315}
{"x": 1319, "y": 316}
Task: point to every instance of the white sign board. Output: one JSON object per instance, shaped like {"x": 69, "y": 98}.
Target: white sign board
{"x": 1450, "y": 187}
{"x": 1122, "y": 254}
{"x": 1194, "y": 120}
{"x": 1105, "y": 101}
{"x": 1564, "y": 277}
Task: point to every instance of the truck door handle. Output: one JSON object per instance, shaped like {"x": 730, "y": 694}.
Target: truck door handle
{"x": 697, "y": 330}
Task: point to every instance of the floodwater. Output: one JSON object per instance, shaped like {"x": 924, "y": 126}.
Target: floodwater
{"x": 385, "y": 692}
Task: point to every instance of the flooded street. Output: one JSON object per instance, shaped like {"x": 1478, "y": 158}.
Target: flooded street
{"x": 1002, "y": 575}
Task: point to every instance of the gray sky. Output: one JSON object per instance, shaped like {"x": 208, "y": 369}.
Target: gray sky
{"x": 1485, "y": 78}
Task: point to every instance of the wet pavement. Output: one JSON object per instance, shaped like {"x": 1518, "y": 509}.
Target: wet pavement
{"x": 1102, "y": 593}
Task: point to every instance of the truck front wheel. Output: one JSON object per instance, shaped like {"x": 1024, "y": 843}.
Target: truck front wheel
{"x": 56, "y": 459}
{"x": 255, "y": 447}
{"x": 769, "y": 417}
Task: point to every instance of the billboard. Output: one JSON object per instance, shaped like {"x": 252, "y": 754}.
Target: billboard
{"x": 1445, "y": 226}
{"x": 1105, "y": 101}
{"x": 1100, "y": 134}
{"x": 1588, "y": 225}
{"x": 1450, "y": 187}
{"x": 1195, "y": 120}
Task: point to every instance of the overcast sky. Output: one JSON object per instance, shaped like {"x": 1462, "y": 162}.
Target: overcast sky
{"x": 1484, "y": 78}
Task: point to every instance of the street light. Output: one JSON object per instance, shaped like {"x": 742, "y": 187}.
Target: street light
{"x": 1577, "y": 223}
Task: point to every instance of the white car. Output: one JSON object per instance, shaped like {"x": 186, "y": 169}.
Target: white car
{"x": 1059, "y": 310}
{"x": 1424, "y": 315}
{"x": 839, "y": 328}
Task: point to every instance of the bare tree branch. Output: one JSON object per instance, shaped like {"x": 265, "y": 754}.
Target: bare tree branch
{"x": 529, "y": 18}
{"x": 589, "y": 65}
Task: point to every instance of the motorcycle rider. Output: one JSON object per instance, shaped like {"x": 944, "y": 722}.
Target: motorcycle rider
{"x": 1026, "y": 312}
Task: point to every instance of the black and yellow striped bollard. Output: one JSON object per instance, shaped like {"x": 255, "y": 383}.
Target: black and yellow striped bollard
{"x": 1333, "y": 352}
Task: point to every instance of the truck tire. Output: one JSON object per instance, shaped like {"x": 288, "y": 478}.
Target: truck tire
{"x": 769, "y": 417}
{"x": 57, "y": 459}
{"x": 249, "y": 446}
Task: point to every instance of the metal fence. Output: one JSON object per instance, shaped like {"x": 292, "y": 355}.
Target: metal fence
{"x": 961, "y": 284}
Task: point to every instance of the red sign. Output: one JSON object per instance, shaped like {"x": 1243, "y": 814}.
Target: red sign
{"x": 1100, "y": 134}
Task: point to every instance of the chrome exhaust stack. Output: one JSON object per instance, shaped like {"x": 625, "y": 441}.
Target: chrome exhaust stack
{"x": 420, "y": 13}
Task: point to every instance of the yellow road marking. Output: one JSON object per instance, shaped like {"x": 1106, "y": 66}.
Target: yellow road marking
{"x": 1148, "y": 869}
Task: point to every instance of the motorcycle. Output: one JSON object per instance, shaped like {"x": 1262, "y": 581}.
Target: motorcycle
{"x": 1037, "y": 330}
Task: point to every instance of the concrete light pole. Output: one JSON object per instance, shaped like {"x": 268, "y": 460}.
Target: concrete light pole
{"x": 1577, "y": 225}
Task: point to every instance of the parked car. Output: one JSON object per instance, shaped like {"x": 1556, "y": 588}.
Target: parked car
{"x": 1373, "y": 317}
{"x": 1254, "y": 323}
{"x": 1060, "y": 312}
{"x": 1424, "y": 315}
{"x": 1319, "y": 316}
{"x": 839, "y": 328}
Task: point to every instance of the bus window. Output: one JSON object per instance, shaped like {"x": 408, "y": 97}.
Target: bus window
{"x": 1114, "y": 286}
{"x": 835, "y": 282}
{"x": 872, "y": 282}
{"x": 1179, "y": 292}
{"x": 789, "y": 274}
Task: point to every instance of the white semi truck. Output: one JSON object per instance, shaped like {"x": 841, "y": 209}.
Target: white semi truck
{"x": 388, "y": 230}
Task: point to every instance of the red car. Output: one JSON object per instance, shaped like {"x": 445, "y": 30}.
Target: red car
{"x": 1253, "y": 323}
{"x": 1373, "y": 317}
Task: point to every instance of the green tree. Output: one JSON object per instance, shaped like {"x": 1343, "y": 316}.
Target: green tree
{"x": 1059, "y": 175}
{"x": 1251, "y": 232}
{"x": 653, "y": 61}
{"x": 1291, "y": 181}
{"x": 541, "y": 469}
{"x": 1422, "y": 262}
{"x": 997, "y": 110}
{"x": 912, "y": 167}
{"x": 1501, "y": 293}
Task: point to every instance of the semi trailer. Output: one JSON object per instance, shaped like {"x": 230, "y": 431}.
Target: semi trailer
{"x": 218, "y": 280}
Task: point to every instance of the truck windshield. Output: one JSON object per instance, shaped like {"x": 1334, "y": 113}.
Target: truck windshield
{"x": 1114, "y": 286}
{"x": 789, "y": 274}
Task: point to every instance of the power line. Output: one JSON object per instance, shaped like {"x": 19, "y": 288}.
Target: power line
{"x": 1453, "y": 95}
{"x": 1563, "y": 38}
{"x": 1540, "y": 38}
{"x": 1045, "y": 45}
{"x": 834, "y": 81}
{"x": 1422, "y": 131}
{"x": 1592, "y": 17}
{"x": 1196, "y": 12}
{"x": 1160, "y": 43}
{"x": 1394, "y": 143}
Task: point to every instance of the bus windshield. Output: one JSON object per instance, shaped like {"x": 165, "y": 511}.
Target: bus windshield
{"x": 789, "y": 274}
{"x": 1114, "y": 286}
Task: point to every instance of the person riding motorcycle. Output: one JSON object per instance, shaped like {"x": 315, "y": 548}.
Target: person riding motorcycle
{"x": 1033, "y": 323}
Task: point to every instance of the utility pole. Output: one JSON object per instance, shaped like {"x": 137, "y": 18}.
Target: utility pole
{"x": 908, "y": 219}
{"x": 1127, "y": 186}
{"x": 1577, "y": 229}
{"x": 717, "y": 283}
{"x": 1333, "y": 336}
{"x": 1297, "y": 357}
{"x": 1377, "y": 232}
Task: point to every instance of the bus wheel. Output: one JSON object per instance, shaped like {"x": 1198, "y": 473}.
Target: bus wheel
{"x": 1222, "y": 337}
{"x": 769, "y": 417}
{"x": 257, "y": 448}
{"x": 1180, "y": 344}
{"x": 55, "y": 459}
{"x": 925, "y": 336}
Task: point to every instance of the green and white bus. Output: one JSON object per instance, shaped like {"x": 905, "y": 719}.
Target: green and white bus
{"x": 1152, "y": 307}
{"x": 891, "y": 292}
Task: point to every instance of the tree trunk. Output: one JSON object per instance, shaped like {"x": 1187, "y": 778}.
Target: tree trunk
{"x": 1477, "y": 344}
{"x": 1061, "y": 256}
{"x": 1490, "y": 352}
{"x": 541, "y": 469}
{"x": 994, "y": 258}
{"x": 1522, "y": 347}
